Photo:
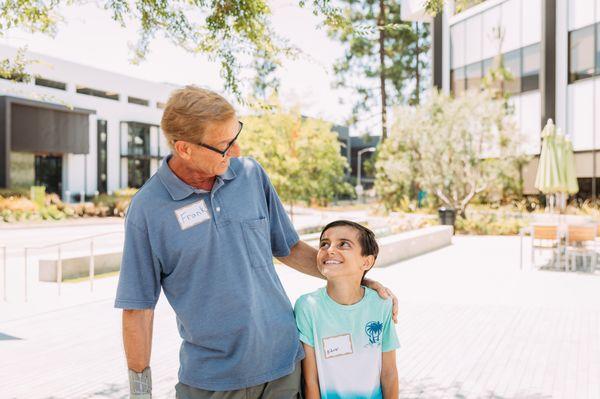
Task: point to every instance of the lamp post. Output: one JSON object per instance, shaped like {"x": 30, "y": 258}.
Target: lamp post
{"x": 359, "y": 187}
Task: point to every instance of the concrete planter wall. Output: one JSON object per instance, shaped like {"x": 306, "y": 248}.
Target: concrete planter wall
{"x": 392, "y": 249}
{"x": 402, "y": 246}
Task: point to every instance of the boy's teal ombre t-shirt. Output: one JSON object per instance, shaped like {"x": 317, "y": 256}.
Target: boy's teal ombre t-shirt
{"x": 348, "y": 341}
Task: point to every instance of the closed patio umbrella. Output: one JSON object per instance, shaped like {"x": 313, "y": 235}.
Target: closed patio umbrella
{"x": 556, "y": 170}
{"x": 547, "y": 179}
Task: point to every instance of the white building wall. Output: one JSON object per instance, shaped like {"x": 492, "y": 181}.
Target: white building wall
{"x": 114, "y": 112}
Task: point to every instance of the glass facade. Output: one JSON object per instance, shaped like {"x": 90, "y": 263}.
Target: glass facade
{"x": 141, "y": 149}
{"x": 53, "y": 84}
{"x": 497, "y": 31}
{"x": 523, "y": 64}
{"x": 582, "y": 53}
{"x": 97, "y": 93}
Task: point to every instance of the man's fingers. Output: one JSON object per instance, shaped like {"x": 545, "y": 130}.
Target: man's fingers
{"x": 395, "y": 309}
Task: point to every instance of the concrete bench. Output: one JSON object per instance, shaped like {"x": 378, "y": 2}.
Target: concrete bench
{"x": 77, "y": 264}
{"x": 406, "y": 245}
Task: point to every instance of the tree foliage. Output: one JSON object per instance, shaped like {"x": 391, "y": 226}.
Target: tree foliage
{"x": 301, "y": 155}
{"x": 381, "y": 57}
{"x": 454, "y": 148}
{"x": 230, "y": 32}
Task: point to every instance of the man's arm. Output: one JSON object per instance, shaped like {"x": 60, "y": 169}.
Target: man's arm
{"x": 389, "y": 375}
{"x": 137, "y": 340}
{"x": 310, "y": 374}
{"x": 303, "y": 258}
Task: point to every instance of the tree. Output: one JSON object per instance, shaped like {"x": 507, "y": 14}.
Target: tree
{"x": 381, "y": 58}
{"x": 228, "y": 31}
{"x": 456, "y": 148}
{"x": 301, "y": 155}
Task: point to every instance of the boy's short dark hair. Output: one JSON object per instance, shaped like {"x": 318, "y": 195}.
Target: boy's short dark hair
{"x": 366, "y": 238}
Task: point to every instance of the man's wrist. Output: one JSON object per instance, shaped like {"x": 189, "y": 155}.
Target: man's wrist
{"x": 140, "y": 384}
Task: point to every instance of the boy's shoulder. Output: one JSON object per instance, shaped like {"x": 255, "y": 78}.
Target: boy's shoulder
{"x": 376, "y": 301}
{"x": 308, "y": 301}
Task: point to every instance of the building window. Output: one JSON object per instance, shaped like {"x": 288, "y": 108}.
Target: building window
{"x": 487, "y": 64}
{"x": 97, "y": 93}
{"x": 139, "y": 151}
{"x": 473, "y": 76}
{"x": 581, "y": 53}
{"x": 512, "y": 62}
{"x": 102, "y": 156}
{"x": 138, "y": 101}
{"x": 457, "y": 81}
{"x": 138, "y": 171}
{"x": 53, "y": 84}
{"x": 530, "y": 79}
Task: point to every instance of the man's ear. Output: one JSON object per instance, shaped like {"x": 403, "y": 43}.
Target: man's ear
{"x": 368, "y": 263}
{"x": 183, "y": 149}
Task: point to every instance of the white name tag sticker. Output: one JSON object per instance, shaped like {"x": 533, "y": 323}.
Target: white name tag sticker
{"x": 193, "y": 214}
{"x": 339, "y": 345}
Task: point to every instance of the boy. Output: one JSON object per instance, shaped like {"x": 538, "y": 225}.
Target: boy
{"x": 347, "y": 329}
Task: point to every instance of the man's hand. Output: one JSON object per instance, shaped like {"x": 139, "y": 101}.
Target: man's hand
{"x": 137, "y": 340}
{"x": 140, "y": 384}
{"x": 384, "y": 293}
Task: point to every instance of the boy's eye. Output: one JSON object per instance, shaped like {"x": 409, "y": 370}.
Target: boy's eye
{"x": 345, "y": 244}
{"x": 323, "y": 244}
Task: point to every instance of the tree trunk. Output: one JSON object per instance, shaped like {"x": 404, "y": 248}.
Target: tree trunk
{"x": 381, "y": 24}
{"x": 417, "y": 74}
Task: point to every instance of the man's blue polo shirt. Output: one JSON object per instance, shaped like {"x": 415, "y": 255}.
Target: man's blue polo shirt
{"x": 212, "y": 255}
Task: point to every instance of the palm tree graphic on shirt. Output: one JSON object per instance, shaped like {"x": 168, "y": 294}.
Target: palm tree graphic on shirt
{"x": 373, "y": 330}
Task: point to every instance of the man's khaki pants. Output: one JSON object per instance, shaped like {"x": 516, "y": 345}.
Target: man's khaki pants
{"x": 288, "y": 387}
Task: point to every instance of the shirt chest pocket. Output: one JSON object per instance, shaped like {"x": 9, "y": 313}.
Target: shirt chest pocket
{"x": 258, "y": 244}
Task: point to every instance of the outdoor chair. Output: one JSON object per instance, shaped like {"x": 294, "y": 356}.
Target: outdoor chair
{"x": 546, "y": 238}
{"x": 581, "y": 243}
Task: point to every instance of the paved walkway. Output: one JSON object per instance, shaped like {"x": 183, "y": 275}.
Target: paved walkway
{"x": 471, "y": 326}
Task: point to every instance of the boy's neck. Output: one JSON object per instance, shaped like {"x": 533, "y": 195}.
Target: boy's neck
{"x": 345, "y": 291}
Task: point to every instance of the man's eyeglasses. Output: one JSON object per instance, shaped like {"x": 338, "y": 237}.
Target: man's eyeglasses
{"x": 226, "y": 150}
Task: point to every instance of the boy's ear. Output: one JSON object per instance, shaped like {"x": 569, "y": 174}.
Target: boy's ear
{"x": 369, "y": 261}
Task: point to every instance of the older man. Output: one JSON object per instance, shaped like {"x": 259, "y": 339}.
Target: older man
{"x": 205, "y": 228}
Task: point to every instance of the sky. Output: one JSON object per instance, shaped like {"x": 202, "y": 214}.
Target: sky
{"x": 89, "y": 36}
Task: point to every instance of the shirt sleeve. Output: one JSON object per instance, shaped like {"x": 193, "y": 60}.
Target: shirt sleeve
{"x": 304, "y": 322}
{"x": 389, "y": 341}
{"x": 282, "y": 231}
{"x": 139, "y": 278}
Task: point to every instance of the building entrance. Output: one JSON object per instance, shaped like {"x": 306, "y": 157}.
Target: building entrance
{"x": 48, "y": 172}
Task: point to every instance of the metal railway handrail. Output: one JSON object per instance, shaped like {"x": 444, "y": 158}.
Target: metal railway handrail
{"x": 59, "y": 260}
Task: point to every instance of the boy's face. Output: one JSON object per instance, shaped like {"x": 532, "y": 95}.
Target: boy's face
{"x": 340, "y": 254}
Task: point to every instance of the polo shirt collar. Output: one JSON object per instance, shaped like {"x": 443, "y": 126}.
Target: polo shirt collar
{"x": 177, "y": 188}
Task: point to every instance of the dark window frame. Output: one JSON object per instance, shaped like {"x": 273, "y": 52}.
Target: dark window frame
{"x": 144, "y": 159}
{"x": 102, "y": 164}
{"x": 52, "y": 84}
{"x": 88, "y": 91}
{"x": 138, "y": 101}
{"x": 530, "y": 82}
{"x": 575, "y": 76}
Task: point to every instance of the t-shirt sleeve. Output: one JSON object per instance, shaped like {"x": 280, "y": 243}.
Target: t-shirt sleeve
{"x": 304, "y": 322}
{"x": 389, "y": 340}
{"x": 139, "y": 278}
{"x": 282, "y": 233}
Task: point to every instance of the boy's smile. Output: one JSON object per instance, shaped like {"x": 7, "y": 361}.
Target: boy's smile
{"x": 340, "y": 254}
